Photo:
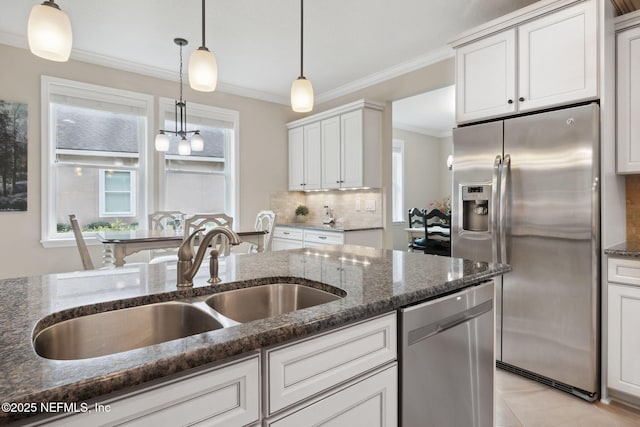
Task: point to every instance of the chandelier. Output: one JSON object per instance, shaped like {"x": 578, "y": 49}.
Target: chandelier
{"x": 185, "y": 146}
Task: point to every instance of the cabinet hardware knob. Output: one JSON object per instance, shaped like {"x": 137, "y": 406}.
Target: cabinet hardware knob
{"x": 521, "y": 99}
{"x": 322, "y": 237}
{"x": 337, "y": 182}
{"x": 510, "y": 101}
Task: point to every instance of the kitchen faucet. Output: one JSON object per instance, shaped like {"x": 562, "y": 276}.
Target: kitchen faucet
{"x": 188, "y": 266}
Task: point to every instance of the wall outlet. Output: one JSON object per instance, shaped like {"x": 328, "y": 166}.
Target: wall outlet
{"x": 357, "y": 205}
{"x": 370, "y": 205}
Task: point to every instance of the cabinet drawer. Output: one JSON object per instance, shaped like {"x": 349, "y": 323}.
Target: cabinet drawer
{"x": 306, "y": 368}
{"x": 287, "y": 233}
{"x": 323, "y": 237}
{"x": 222, "y": 396}
{"x": 626, "y": 271}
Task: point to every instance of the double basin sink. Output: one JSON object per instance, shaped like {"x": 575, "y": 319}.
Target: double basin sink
{"x": 136, "y": 327}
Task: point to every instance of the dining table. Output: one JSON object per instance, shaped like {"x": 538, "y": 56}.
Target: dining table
{"x": 120, "y": 244}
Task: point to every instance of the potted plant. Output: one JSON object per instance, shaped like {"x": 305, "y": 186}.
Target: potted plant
{"x": 301, "y": 212}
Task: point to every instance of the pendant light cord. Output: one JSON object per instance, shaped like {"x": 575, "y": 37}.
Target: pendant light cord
{"x": 203, "y": 45}
{"x": 301, "y": 34}
{"x": 181, "y": 73}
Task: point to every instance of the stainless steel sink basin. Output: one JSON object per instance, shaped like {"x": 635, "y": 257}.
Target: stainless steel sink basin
{"x": 121, "y": 330}
{"x": 260, "y": 302}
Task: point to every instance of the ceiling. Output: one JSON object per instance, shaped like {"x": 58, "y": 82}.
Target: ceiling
{"x": 348, "y": 45}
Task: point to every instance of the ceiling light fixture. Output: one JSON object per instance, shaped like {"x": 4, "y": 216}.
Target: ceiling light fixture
{"x": 203, "y": 68}
{"x": 184, "y": 146}
{"x": 301, "y": 89}
{"x": 49, "y": 32}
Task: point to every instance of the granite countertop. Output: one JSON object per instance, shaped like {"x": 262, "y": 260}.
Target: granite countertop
{"x": 326, "y": 227}
{"x": 625, "y": 250}
{"x": 376, "y": 281}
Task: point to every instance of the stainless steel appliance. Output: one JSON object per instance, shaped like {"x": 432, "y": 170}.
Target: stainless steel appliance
{"x": 448, "y": 360}
{"x": 537, "y": 176}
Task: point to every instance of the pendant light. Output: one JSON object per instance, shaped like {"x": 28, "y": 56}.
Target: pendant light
{"x": 301, "y": 89}
{"x": 49, "y": 32}
{"x": 184, "y": 146}
{"x": 203, "y": 68}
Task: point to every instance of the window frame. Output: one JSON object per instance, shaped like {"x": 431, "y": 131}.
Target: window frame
{"x": 54, "y": 86}
{"x": 397, "y": 206}
{"x": 231, "y": 150}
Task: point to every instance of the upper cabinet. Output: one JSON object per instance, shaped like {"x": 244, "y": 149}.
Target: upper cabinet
{"x": 344, "y": 146}
{"x": 628, "y": 94}
{"x": 542, "y": 56}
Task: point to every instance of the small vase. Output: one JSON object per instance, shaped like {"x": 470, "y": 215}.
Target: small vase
{"x": 301, "y": 218}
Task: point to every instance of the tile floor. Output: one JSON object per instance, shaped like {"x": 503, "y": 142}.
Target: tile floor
{"x": 521, "y": 402}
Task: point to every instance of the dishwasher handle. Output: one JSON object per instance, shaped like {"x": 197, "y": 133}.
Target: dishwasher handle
{"x": 424, "y": 332}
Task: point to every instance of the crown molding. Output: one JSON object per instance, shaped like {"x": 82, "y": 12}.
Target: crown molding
{"x": 387, "y": 74}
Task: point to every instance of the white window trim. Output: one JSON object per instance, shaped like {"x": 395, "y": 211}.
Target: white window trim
{"x": 102, "y": 194}
{"x": 231, "y": 149}
{"x": 398, "y": 144}
{"x": 53, "y": 85}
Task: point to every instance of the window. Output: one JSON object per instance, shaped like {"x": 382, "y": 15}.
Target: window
{"x": 397, "y": 176}
{"x": 117, "y": 193}
{"x": 94, "y": 156}
{"x": 204, "y": 181}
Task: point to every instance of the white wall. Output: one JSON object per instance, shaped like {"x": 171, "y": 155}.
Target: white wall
{"x": 262, "y": 152}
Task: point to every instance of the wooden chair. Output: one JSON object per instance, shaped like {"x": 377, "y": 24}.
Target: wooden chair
{"x": 82, "y": 246}
{"x": 161, "y": 220}
{"x": 417, "y": 220}
{"x": 437, "y": 242}
{"x": 208, "y": 221}
{"x": 265, "y": 220}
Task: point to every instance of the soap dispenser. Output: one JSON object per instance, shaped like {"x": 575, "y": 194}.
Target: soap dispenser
{"x": 328, "y": 216}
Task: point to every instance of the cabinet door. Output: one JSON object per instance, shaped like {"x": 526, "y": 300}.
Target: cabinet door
{"x": 331, "y": 177}
{"x": 312, "y": 157}
{"x": 370, "y": 402}
{"x": 558, "y": 58}
{"x": 485, "y": 77}
{"x": 624, "y": 339}
{"x": 628, "y": 94}
{"x": 296, "y": 159}
{"x": 352, "y": 139}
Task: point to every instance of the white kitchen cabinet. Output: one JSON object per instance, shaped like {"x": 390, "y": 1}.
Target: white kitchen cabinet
{"x": 227, "y": 395}
{"x": 318, "y": 364}
{"x": 350, "y": 140}
{"x": 553, "y": 47}
{"x": 486, "y": 77}
{"x": 558, "y": 58}
{"x": 623, "y": 320}
{"x": 372, "y": 401}
{"x": 304, "y": 158}
{"x": 286, "y": 238}
{"x": 628, "y": 93}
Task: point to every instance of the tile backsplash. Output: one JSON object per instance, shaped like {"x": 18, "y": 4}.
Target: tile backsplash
{"x": 633, "y": 207}
{"x": 344, "y": 205}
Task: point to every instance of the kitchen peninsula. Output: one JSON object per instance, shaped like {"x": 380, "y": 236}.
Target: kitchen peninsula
{"x": 376, "y": 282}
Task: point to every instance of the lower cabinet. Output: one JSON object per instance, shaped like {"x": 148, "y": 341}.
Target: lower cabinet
{"x": 371, "y": 401}
{"x": 623, "y": 320}
{"x": 299, "y": 237}
{"x": 227, "y": 395}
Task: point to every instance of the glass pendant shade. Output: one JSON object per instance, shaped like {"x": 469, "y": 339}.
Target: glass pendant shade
{"x": 203, "y": 70}
{"x": 197, "y": 143}
{"x": 49, "y": 32}
{"x": 162, "y": 142}
{"x": 184, "y": 147}
{"x": 301, "y": 95}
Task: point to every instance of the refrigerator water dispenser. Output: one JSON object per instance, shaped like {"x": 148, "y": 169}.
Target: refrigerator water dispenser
{"x": 475, "y": 207}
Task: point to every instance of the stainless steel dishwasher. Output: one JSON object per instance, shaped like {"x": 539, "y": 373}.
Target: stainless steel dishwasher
{"x": 448, "y": 363}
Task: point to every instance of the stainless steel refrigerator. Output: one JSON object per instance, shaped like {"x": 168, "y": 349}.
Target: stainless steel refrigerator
{"x": 526, "y": 193}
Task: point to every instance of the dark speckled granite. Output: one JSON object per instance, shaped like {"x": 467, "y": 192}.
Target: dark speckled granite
{"x": 375, "y": 281}
{"x": 625, "y": 250}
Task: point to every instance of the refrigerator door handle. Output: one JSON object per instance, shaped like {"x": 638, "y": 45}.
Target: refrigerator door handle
{"x": 506, "y": 170}
{"x": 495, "y": 203}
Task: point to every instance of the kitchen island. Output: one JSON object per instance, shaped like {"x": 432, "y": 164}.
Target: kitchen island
{"x": 375, "y": 281}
